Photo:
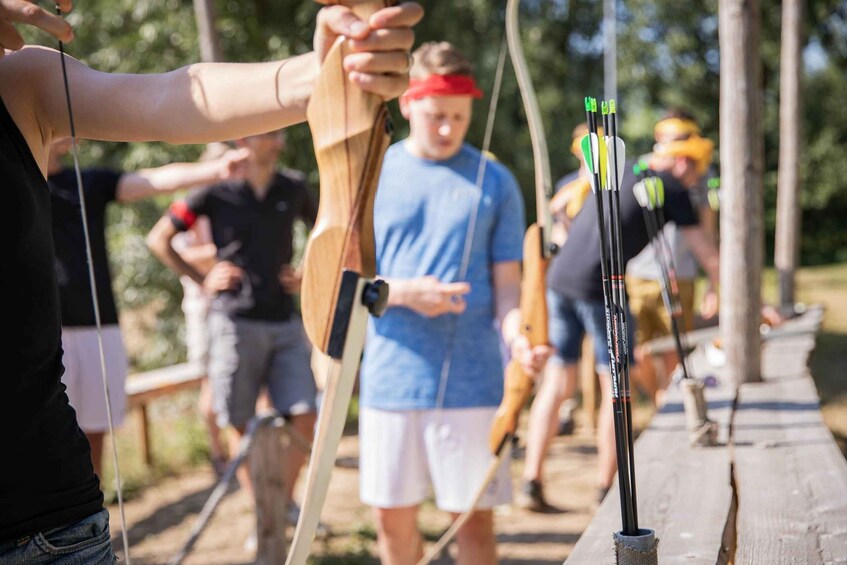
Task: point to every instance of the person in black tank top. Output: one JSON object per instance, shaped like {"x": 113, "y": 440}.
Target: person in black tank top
{"x": 51, "y": 507}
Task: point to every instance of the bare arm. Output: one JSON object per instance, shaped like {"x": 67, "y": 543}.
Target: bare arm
{"x": 201, "y": 257}
{"x": 203, "y": 102}
{"x": 159, "y": 240}
{"x": 705, "y": 252}
{"x": 427, "y": 295}
{"x": 176, "y": 176}
{"x": 506, "y": 279}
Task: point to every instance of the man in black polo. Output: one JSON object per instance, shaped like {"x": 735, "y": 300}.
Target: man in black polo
{"x": 256, "y": 338}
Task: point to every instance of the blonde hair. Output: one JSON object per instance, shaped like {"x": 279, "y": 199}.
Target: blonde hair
{"x": 439, "y": 58}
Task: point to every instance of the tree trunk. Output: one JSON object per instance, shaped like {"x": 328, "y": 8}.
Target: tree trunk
{"x": 742, "y": 188}
{"x": 787, "y": 252}
{"x": 210, "y": 47}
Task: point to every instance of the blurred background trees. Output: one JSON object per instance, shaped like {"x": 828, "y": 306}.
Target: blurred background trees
{"x": 667, "y": 56}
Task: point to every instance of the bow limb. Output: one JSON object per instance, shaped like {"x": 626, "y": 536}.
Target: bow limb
{"x": 351, "y": 131}
{"x": 537, "y": 249}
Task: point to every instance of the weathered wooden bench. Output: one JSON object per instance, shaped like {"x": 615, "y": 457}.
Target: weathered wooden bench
{"x": 143, "y": 388}
{"x": 773, "y": 491}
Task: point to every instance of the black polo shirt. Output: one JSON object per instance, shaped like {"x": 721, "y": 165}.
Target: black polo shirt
{"x": 255, "y": 235}
{"x": 575, "y": 270}
{"x": 99, "y": 188}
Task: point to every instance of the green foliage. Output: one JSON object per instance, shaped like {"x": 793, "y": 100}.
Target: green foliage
{"x": 668, "y": 56}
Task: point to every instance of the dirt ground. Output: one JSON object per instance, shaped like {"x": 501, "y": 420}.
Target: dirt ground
{"x": 160, "y": 518}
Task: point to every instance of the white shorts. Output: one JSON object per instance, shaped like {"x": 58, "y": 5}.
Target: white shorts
{"x": 406, "y": 453}
{"x": 84, "y": 380}
{"x": 197, "y": 334}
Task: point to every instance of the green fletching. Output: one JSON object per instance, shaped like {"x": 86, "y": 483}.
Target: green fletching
{"x": 660, "y": 192}
{"x": 612, "y": 106}
{"x": 587, "y": 104}
{"x": 604, "y": 108}
{"x": 714, "y": 182}
{"x": 636, "y": 169}
{"x": 593, "y": 104}
{"x": 588, "y": 156}
{"x": 643, "y": 165}
{"x": 650, "y": 186}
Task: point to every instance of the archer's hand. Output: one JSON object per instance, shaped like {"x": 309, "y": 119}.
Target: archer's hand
{"x": 709, "y": 306}
{"x": 429, "y": 296}
{"x": 532, "y": 359}
{"x": 379, "y": 58}
{"x": 222, "y": 277}
{"x": 233, "y": 164}
{"x": 23, "y": 11}
{"x": 290, "y": 279}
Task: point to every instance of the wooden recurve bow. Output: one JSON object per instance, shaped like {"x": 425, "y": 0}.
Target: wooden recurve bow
{"x": 351, "y": 131}
{"x": 537, "y": 252}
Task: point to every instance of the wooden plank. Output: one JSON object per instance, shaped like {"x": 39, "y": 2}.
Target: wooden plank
{"x": 141, "y": 388}
{"x": 672, "y": 478}
{"x": 791, "y": 477}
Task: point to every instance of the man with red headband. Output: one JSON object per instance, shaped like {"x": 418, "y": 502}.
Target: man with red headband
{"x": 449, "y": 224}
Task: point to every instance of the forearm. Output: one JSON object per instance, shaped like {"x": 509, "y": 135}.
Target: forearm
{"x": 507, "y": 297}
{"x": 400, "y": 293}
{"x": 159, "y": 241}
{"x": 195, "y": 104}
{"x": 166, "y": 179}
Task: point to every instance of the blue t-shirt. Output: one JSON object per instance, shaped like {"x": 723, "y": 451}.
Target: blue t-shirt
{"x": 421, "y": 217}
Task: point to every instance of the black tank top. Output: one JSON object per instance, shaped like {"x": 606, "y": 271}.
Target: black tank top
{"x": 46, "y": 477}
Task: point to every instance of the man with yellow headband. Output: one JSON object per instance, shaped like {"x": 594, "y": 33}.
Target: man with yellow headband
{"x": 677, "y": 137}
{"x": 449, "y": 225}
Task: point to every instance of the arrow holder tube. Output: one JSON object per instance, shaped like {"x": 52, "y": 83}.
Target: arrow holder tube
{"x": 702, "y": 432}
{"x": 639, "y": 549}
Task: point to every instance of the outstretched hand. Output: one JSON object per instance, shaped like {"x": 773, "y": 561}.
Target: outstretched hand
{"x": 532, "y": 359}
{"x": 429, "y": 296}
{"x": 25, "y": 12}
{"x": 233, "y": 164}
{"x": 378, "y": 61}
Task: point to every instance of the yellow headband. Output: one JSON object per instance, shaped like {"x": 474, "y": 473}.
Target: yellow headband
{"x": 675, "y": 128}
{"x": 698, "y": 149}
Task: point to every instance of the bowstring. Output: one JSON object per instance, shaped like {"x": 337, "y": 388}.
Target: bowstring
{"x": 469, "y": 234}
{"x": 97, "y": 320}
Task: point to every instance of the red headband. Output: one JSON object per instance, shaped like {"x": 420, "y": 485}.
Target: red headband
{"x": 443, "y": 85}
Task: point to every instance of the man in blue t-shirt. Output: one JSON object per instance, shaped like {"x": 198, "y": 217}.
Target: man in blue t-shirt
{"x": 449, "y": 225}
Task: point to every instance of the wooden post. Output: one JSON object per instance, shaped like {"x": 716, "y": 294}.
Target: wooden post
{"x": 788, "y": 220}
{"x": 210, "y": 47}
{"x": 143, "y": 433}
{"x": 271, "y": 491}
{"x": 742, "y": 164}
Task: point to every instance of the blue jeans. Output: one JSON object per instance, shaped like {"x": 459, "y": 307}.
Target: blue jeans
{"x": 86, "y": 542}
{"x": 570, "y": 319}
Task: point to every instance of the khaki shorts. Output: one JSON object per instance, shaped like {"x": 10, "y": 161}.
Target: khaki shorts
{"x": 648, "y": 308}
{"x": 84, "y": 376}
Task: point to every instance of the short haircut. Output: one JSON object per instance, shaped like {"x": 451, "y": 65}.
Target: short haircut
{"x": 439, "y": 58}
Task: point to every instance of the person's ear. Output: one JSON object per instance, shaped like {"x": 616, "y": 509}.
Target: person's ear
{"x": 405, "y": 107}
